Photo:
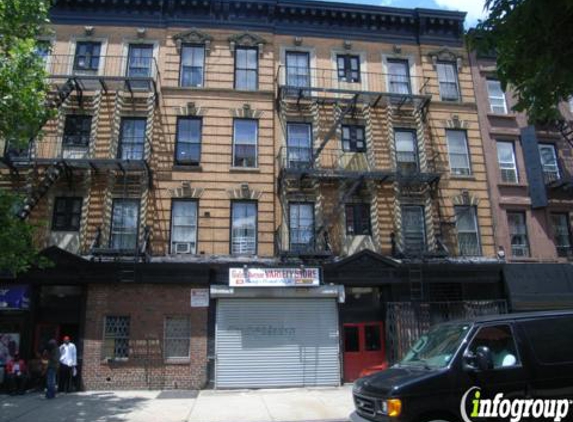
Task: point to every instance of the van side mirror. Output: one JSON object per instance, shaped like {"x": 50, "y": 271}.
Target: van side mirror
{"x": 481, "y": 360}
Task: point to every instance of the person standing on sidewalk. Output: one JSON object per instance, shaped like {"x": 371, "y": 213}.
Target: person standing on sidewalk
{"x": 53, "y": 363}
{"x": 68, "y": 363}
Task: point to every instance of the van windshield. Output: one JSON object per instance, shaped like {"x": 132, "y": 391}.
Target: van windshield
{"x": 436, "y": 348}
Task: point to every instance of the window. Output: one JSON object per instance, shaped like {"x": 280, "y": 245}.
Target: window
{"x": 87, "y": 56}
{"x": 244, "y": 228}
{"x": 116, "y": 337}
{"x": 77, "y": 135}
{"x": 468, "y": 233}
{"x": 562, "y": 233}
{"x": 549, "y": 162}
{"x": 348, "y": 68}
{"x": 184, "y": 227}
{"x": 448, "y": 79}
{"x": 499, "y": 340}
{"x": 406, "y": 151}
{"x": 132, "y": 138}
{"x": 458, "y": 151}
{"x": 351, "y": 339}
{"x": 301, "y": 224}
{"x": 550, "y": 339}
{"x": 413, "y": 228}
{"x": 139, "y": 64}
{"x": 245, "y": 143}
{"x": 353, "y": 138}
{"x": 399, "y": 76}
{"x": 372, "y": 338}
{"x": 518, "y": 234}
{"x": 67, "y": 214}
{"x": 299, "y": 148}
{"x": 125, "y": 216}
{"x": 192, "y": 65}
{"x": 177, "y": 337}
{"x": 358, "y": 219}
{"x": 246, "y": 68}
{"x": 496, "y": 97}
{"x": 506, "y": 160}
{"x": 188, "y": 143}
{"x": 297, "y": 70}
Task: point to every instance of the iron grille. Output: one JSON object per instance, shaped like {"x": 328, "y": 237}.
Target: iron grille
{"x": 116, "y": 337}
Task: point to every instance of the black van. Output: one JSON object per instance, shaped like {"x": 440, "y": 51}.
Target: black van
{"x": 457, "y": 371}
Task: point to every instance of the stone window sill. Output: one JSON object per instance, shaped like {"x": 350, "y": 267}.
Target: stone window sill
{"x": 245, "y": 169}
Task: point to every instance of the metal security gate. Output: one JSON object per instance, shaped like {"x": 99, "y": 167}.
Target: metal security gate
{"x": 276, "y": 343}
{"x": 407, "y": 321}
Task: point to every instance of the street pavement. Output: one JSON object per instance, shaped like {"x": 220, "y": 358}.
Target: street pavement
{"x": 280, "y": 405}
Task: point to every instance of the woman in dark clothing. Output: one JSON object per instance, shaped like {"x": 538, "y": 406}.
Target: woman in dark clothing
{"x": 53, "y": 363}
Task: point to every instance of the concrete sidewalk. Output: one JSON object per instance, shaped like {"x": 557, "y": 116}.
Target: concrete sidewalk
{"x": 281, "y": 405}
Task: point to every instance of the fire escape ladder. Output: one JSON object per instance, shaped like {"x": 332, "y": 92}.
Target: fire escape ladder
{"x": 336, "y": 124}
{"x": 50, "y": 177}
{"x": 344, "y": 195}
{"x": 416, "y": 279}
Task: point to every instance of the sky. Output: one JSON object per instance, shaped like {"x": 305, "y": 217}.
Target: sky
{"x": 474, "y": 8}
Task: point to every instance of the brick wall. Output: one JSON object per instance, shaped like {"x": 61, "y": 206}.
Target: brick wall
{"x": 147, "y": 306}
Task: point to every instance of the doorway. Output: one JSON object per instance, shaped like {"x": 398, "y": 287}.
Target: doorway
{"x": 364, "y": 349}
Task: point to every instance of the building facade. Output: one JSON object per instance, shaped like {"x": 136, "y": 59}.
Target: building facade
{"x": 228, "y": 185}
{"x": 530, "y": 180}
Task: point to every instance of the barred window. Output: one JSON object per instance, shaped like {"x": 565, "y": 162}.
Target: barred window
{"x": 116, "y": 337}
{"x": 177, "y": 337}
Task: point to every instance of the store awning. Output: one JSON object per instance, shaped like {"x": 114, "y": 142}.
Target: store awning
{"x": 539, "y": 286}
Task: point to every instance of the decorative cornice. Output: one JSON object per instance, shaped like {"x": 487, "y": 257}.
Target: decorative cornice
{"x": 193, "y": 36}
{"x": 244, "y": 192}
{"x": 297, "y": 17}
{"x": 185, "y": 191}
{"x": 246, "y": 112}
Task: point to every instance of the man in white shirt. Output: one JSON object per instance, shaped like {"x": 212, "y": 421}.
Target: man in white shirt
{"x": 68, "y": 363}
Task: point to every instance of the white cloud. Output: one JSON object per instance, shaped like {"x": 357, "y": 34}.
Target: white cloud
{"x": 474, "y": 8}
{"x": 385, "y": 2}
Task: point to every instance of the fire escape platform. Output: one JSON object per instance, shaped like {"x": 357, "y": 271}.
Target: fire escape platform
{"x": 86, "y": 83}
{"x": 86, "y": 163}
{"x": 341, "y": 174}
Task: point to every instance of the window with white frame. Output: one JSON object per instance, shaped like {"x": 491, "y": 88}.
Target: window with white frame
{"x": 177, "y": 337}
{"x": 549, "y": 163}
{"x": 116, "y": 337}
{"x": 297, "y": 69}
{"x": 518, "y": 234}
{"x": 192, "y": 66}
{"x": 299, "y": 145}
{"x": 448, "y": 80}
{"x": 497, "y": 101}
{"x": 184, "y": 227}
{"x": 468, "y": 232}
{"x": 562, "y": 234}
{"x": 245, "y": 135}
{"x": 244, "y": 228}
{"x": 124, "y": 222}
{"x": 406, "y": 151}
{"x": 506, "y": 161}
{"x": 301, "y": 226}
{"x": 399, "y": 76}
{"x": 246, "y": 68}
{"x": 458, "y": 152}
{"x": 413, "y": 228}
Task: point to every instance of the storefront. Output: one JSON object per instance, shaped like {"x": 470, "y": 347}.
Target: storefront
{"x": 276, "y": 327}
{"x": 14, "y": 317}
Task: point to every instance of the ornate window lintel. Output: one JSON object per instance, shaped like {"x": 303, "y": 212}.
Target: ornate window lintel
{"x": 193, "y": 36}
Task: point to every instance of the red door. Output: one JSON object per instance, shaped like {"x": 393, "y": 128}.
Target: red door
{"x": 364, "y": 349}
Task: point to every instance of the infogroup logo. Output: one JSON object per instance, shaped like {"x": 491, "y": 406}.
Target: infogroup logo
{"x": 513, "y": 409}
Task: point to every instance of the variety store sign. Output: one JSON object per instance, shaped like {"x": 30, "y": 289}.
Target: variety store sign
{"x": 274, "y": 277}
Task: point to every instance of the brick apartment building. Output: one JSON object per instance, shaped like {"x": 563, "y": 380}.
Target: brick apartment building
{"x": 530, "y": 171}
{"x": 252, "y": 193}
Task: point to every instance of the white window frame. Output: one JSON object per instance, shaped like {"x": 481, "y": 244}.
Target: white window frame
{"x": 312, "y": 62}
{"x": 72, "y": 55}
{"x": 256, "y": 122}
{"x": 411, "y": 68}
{"x": 550, "y": 171}
{"x": 524, "y": 248}
{"x": 190, "y": 225}
{"x": 126, "y": 42}
{"x": 166, "y": 339}
{"x": 507, "y": 165}
{"x": 414, "y": 152}
{"x": 244, "y": 250}
{"x": 455, "y": 171}
{"x": 496, "y": 94}
{"x": 456, "y": 82}
{"x": 475, "y": 231}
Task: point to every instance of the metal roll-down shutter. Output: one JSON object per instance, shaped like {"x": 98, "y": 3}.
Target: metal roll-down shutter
{"x": 277, "y": 343}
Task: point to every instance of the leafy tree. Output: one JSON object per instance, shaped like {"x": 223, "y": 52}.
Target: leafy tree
{"x": 23, "y": 94}
{"x": 533, "y": 41}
